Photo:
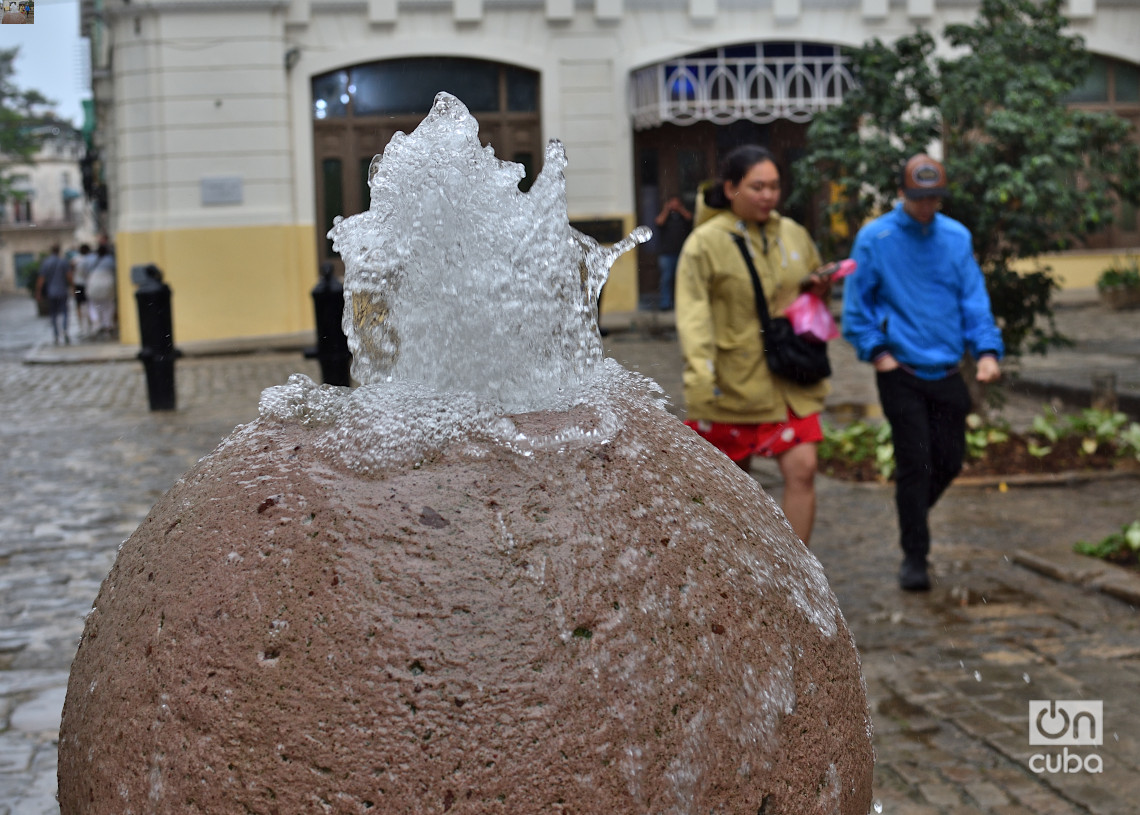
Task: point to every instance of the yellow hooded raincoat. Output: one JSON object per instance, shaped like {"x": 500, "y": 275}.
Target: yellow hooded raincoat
{"x": 726, "y": 377}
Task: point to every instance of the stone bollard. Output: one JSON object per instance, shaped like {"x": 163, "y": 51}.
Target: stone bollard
{"x": 156, "y": 333}
{"x": 331, "y": 350}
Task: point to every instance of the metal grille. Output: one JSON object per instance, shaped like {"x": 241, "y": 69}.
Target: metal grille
{"x": 759, "y": 82}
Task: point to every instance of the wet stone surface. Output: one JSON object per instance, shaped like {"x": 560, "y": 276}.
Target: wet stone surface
{"x": 949, "y": 674}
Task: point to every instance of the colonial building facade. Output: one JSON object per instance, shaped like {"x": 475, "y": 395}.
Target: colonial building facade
{"x": 232, "y": 133}
{"x": 46, "y": 205}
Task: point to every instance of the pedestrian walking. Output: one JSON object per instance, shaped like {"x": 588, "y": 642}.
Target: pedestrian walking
{"x": 674, "y": 223}
{"x": 80, "y": 267}
{"x": 732, "y": 399}
{"x": 915, "y": 304}
{"x": 101, "y": 291}
{"x": 54, "y": 285}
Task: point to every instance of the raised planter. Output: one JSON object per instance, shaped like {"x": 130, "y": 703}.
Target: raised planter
{"x": 1120, "y": 297}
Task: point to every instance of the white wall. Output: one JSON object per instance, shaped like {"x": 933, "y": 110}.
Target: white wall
{"x": 196, "y": 96}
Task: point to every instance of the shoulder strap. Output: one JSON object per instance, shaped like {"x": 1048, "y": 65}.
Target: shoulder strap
{"x": 757, "y": 289}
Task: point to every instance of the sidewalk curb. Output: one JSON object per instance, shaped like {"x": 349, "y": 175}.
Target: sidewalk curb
{"x": 1080, "y": 570}
{"x": 1062, "y": 479}
{"x": 46, "y": 354}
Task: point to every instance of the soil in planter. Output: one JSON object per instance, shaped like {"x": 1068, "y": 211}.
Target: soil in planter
{"x": 1009, "y": 458}
{"x": 1128, "y": 559}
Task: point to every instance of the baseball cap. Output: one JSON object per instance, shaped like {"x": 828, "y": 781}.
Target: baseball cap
{"x": 923, "y": 177}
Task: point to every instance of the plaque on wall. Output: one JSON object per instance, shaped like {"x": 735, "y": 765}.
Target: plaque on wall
{"x": 221, "y": 190}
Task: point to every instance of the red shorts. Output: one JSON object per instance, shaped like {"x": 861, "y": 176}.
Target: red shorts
{"x": 739, "y": 441}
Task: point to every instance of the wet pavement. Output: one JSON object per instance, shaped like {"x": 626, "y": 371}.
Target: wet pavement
{"x": 950, "y": 675}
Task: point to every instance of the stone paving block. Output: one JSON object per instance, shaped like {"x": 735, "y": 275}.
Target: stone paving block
{"x": 951, "y": 707}
{"x": 1011, "y": 709}
{"x": 41, "y": 713}
{"x": 915, "y": 774}
{"x": 1044, "y": 802}
{"x": 940, "y": 794}
{"x": 1013, "y": 746}
{"x": 986, "y": 795}
{"x": 982, "y": 725}
{"x": 15, "y": 753}
{"x": 13, "y": 682}
{"x": 958, "y": 774}
{"x": 1016, "y": 659}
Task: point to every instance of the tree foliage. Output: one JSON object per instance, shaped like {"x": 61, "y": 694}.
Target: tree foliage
{"x": 1027, "y": 174}
{"x": 21, "y": 111}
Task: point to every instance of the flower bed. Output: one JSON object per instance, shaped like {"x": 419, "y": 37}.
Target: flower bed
{"x": 1093, "y": 440}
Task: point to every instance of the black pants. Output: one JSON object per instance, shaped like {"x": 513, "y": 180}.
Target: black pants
{"x": 928, "y": 429}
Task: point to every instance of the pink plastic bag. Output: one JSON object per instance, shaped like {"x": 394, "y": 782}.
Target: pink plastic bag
{"x": 809, "y": 315}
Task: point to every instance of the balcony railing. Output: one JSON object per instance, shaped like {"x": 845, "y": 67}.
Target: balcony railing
{"x": 758, "y": 83}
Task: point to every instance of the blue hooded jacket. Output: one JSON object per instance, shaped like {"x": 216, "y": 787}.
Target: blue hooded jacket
{"x": 918, "y": 293}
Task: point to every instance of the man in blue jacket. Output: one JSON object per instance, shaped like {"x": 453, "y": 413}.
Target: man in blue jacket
{"x": 916, "y": 302}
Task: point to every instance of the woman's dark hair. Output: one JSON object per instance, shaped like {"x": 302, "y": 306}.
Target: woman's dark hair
{"x": 733, "y": 168}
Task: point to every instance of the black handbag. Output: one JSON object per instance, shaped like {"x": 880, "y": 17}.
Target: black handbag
{"x": 789, "y": 355}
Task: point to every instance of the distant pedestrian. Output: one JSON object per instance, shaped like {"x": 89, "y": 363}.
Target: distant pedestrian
{"x": 916, "y": 302}
{"x": 80, "y": 267}
{"x": 673, "y": 225}
{"x": 54, "y": 285}
{"x": 101, "y": 291}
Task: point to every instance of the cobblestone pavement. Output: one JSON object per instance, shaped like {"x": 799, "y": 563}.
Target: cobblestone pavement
{"x": 950, "y": 675}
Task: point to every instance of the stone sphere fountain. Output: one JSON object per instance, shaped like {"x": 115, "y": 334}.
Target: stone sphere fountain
{"x": 497, "y": 577}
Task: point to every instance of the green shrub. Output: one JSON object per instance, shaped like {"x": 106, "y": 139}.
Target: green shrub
{"x": 1120, "y": 276}
{"x": 1096, "y": 428}
{"x": 860, "y": 441}
{"x": 1125, "y": 543}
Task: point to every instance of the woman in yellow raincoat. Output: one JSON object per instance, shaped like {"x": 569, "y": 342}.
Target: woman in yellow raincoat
{"x": 731, "y": 398}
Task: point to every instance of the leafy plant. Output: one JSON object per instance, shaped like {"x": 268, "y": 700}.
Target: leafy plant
{"x": 860, "y": 441}
{"x": 21, "y": 111}
{"x": 1122, "y": 544}
{"x": 1096, "y": 428}
{"x": 26, "y": 275}
{"x": 863, "y": 441}
{"x": 1120, "y": 276}
{"x": 981, "y": 434}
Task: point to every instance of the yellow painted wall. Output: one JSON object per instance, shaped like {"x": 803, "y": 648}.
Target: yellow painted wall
{"x": 621, "y": 290}
{"x": 225, "y": 282}
{"x": 256, "y": 281}
{"x": 1077, "y": 270}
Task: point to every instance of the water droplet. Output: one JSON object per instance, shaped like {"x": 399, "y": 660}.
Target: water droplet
{"x": 878, "y": 806}
{"x": 1025, "y": 678}
{"x": 977, "y": 676}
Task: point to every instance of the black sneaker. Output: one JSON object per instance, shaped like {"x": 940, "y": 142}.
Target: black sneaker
{"x": 913, "y": 576}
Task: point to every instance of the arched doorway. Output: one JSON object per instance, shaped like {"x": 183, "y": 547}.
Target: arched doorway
{"x": 690, "y": 111}
{"x": 357, "y": 110}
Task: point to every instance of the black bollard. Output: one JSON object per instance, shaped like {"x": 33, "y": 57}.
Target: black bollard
{"x": 332, "y": 345}
{"x": 156, "y": 335}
